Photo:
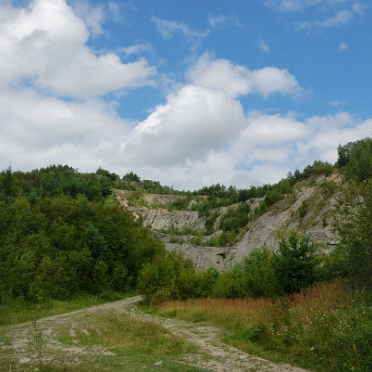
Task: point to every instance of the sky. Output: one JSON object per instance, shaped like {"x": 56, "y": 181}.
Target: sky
{"x": 189, "y": 92}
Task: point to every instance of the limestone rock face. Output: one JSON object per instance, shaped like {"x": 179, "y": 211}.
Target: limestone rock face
{"x": 164, "y": 219}
{"x": 305, "y": 211}
{"x": 161, "y": 199}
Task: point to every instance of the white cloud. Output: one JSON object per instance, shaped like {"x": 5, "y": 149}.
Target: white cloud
{"x": 341, "y": 18}
{"x": 93, "y": 16}
{"x": 114, "y": 12}
{"x": 344, "y": 11}
{"x": 237, "y": 80}
{"x": 216, "y": 21}
{"x": 359, "y": 8}
{"x": 301, "y": 5}
{"x": 263, "y": 46}
{"x": 193, "y": 123}
{"x": 291, "y": 5}
{"x": 337, "y": 103}
{"x": 342, "y": 47}
{"x": 96, "y": 16}
{"x": 268, "y": 147}
{"x": 46, "y": 45}
{"x": 37, "y": 131}
{"x": 168, "y": 28}
{"x": 138, "y": 48}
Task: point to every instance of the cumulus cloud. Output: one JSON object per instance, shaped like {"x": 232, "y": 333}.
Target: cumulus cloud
{"x": 264, "y": 151}
{"x": 237, "y": 80}
{"x": 38, "y": 131}
{"x": 272, "y": 145}
{"x": 46, "y": 46}
{"x": 194, "y": 122}
{"x": 93, "y": 16}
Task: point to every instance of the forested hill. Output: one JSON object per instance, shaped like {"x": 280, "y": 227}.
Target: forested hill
{"x": 63, "y": 233}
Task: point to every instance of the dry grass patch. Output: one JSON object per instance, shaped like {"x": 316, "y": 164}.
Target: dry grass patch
{"x": 326, "y": 328}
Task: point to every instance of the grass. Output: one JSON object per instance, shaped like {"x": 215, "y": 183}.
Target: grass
{"x": 14, "y": 311}
{"x": 325, "y": 328}
{"x": 125, "y": 335}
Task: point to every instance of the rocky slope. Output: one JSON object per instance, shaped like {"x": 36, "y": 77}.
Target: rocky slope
{"x": 307, "y": 210}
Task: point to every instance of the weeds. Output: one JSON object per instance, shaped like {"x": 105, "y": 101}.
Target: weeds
{"x": 327, "y": 327}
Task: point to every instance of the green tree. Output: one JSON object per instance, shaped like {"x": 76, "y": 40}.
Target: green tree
{"x": 295, "y": 264}
{"x": 354, "y": 224}
{"x": 95, "y": 243}
{"x": 230, "y": 284}
{"x": 260, "y": 279}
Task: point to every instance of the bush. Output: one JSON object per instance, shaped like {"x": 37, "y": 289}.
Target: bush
{"x": 353, "y": 222}
{"x": 260, "y": 280}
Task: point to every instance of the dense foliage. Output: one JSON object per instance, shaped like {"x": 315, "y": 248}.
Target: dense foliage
{"x": 354, "y": 207}
{"x": 61, "y": 234}
{"x": 356, "y": 159}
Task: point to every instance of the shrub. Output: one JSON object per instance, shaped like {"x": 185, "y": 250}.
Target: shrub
{"x": 295, "y": 264}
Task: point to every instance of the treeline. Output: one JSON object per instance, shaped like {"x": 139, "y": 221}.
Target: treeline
{"x": 63, "y": 234}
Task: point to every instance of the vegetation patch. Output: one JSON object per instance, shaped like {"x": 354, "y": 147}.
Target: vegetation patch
{"x": 125, "y": 335}
{"x": 325, "y": 328}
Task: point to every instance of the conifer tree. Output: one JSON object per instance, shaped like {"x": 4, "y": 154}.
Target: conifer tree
{"x": 295, "y": 264}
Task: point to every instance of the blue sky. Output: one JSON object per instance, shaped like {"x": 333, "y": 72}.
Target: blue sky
{"x": 190, "y": 93}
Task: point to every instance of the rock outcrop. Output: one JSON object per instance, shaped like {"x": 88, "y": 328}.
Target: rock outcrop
{"x": 162, "y": 219}
{"x": 305, "y": 211}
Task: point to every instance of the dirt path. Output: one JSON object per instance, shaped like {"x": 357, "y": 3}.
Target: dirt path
{"x": 20, "y": 342}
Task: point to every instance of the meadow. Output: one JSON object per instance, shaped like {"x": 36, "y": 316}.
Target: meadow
{"x": 327, "y": 327}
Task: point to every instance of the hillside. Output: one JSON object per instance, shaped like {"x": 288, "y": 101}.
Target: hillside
{"x": 65, "y": 233}
{"x": 308, "y": 210}
{"x": 68, "y": 238}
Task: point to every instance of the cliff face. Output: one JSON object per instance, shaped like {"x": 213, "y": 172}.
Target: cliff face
{"x": 162, "y": 219}
{"x": 306, "y": 211}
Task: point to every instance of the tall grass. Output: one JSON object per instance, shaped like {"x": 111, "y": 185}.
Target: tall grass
{"x": 326, "y": 328}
